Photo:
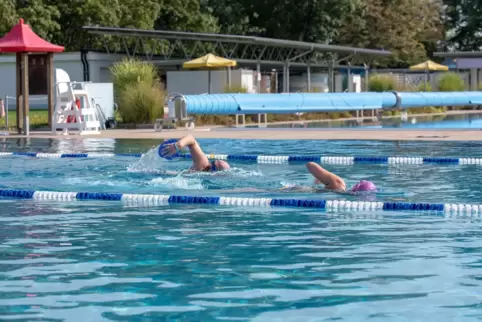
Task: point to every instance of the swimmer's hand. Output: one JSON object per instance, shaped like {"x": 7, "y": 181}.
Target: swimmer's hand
{"x": 170, "y": 149}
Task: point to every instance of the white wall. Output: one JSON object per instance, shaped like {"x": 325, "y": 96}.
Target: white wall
{"x": 247, "y": 80}
{"x": 196, "y": 82}
{"x": 99, "y": 65}
{"x": 299, "y": 83}
{"x": 70, "y": 62}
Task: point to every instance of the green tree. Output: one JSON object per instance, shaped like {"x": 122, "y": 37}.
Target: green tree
{"x": 463, "y": 23}
{"x": 8, "y": 16}
{"x": 233, "y": 16}
{"x": 112, "y": 13}
{"x": 405, "y": 27}
{"x": 303, "y": 20}
{"x": 41, "y": 16}
{"x": 185, "y": 15}
{"x": 78, "y": 13}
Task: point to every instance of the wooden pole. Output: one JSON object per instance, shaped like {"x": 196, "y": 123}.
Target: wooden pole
{"x": 50, "y": 89}
{"x": 19, "y": 113}
{"x": 25, "y": 93}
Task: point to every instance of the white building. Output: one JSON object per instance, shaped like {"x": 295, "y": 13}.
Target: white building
{"x": 95, "y": 69}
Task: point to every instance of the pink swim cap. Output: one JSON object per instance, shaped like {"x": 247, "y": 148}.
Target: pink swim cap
{"x": 364, "y": 186}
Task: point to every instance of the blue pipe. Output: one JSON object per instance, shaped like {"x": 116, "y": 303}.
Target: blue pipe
{"x": 287, "y": 103}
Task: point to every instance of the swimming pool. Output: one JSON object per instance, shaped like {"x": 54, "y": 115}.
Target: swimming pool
{"x": 99, "y": 261}
{"x": 436, "y": 121}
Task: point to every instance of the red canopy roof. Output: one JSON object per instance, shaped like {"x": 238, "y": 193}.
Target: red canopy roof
{"x": 22, "y": 39}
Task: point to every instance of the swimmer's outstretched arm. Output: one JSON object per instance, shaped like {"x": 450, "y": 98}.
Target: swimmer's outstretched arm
{"x": 329, "y": 179}
{"x": 199, "y": 159}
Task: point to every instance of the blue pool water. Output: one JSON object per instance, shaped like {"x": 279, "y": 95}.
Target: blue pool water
{"x": 437, "y": 121}
{"x": 93, "y": 261}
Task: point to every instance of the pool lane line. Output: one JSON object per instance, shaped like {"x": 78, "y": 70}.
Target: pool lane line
{"x": 272, "y": 159}
{"x": 153, "y": 200}
{"x": 41, "y": 155}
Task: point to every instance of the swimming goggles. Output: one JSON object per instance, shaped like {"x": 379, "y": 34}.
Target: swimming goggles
{"x": 211, "y": 167}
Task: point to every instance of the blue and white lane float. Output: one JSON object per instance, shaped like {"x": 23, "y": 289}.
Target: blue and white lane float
{"x": 41, "y": 155}
{"x": 152, "y": 200}
{"x": 347, "y": 160}
{"x": 271, "y": 159}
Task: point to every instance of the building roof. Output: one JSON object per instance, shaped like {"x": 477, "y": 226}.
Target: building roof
{"x": 251, "y": 40}
{"x": 21, "y": 38}
{"x": 457, "y": 54}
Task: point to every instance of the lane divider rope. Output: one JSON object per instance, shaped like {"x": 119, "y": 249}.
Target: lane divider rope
{"x": 272, "y": 159}
{"x": 153, "y": 200}
{"x": 346, "y": 160}
{"x": 41, "y": 155}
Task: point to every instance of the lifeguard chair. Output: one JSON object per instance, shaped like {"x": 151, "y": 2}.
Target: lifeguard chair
{"x": 73, "y": 107}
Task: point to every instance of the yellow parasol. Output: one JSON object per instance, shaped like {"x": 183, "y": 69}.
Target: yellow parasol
{"x": 209, "y": 62}
{"x": 428, "y": 66}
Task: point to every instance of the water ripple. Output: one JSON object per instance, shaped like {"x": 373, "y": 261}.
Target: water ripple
{"x": 95, "y": 261}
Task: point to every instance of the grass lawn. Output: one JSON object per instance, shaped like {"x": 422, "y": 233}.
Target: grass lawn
{"x": 37, "y": 119}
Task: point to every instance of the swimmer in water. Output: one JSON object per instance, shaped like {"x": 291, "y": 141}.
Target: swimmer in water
{"x": 200, "y": 162}
{"x": 332, "y": 182}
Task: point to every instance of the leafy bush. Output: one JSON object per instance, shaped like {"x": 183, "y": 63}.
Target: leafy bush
{"x": 406, "y": 88}
{"x": 130, "y": 71}
{"x": 422, "y": 87}
{"x": 137, "y": 90}
{"x": 235, "y": 89}
{"x": 141, "y": 102}
{"x": 381, "y": 83}
{"x": 427, "y": 110}
{"x": 451, "y": 82}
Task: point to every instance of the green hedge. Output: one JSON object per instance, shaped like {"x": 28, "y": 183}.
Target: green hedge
{"x": 451, "y": 82}
{"x": 137, "y": 89}
{"x": 381, "y": 83}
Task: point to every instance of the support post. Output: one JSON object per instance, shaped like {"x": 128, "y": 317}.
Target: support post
{"x": 6, "y": 113}
{"x": 284, "y": 77}
{"x": 473, "y": 79}
{"x": 25, "y": 103}
{"x": 209, "y": 82}
{"x": 229, "y": 78}
{"x": 349, "y": 81}
{"x": 258, "y": 77}
{"x": 19, "y": 99}
{"x": 287, "y": 76}
{"x": 366, "y": 78}
{"x": 50, "y": 87}
{"x": 276, "y": 90}
{"x": 331, "y": 81}
{"x": 308, "y": 76}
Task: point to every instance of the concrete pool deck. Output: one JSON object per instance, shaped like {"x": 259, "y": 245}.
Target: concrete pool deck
{"x": 277, "y": 134}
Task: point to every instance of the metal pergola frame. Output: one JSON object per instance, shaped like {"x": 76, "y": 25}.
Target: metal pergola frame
{"x": 165, "y": 46}
{"x": 459, "y": 54}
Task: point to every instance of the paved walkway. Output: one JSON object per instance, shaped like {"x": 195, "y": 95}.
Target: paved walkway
{"x": 282, "y": 134}
{"x": 221, "y": 132}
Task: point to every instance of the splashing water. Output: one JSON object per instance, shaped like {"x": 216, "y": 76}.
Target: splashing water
{"x": 285, "y": 184}
{"x": 178, "y": 182}
{"x": 149, "y": 162}
{"x": 244, "y": 173}
{"x": 91, "y": 181}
